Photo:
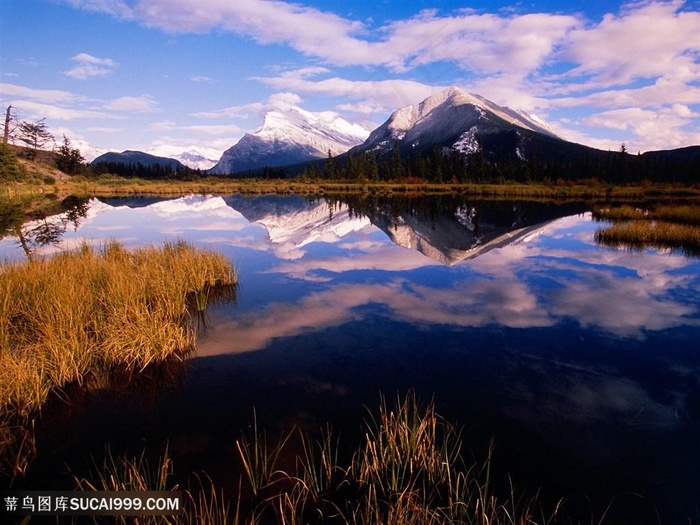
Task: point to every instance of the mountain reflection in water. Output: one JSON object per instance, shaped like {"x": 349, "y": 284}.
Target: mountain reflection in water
{"x": 579, "y": 360}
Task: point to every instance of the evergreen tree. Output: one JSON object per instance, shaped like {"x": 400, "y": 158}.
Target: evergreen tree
{"x": 9, "y": 167}
{"x": 397, "y": 167}
{"x": 69, "y": 159}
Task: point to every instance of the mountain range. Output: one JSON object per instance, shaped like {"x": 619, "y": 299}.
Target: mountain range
{"x": 450, "y": 121}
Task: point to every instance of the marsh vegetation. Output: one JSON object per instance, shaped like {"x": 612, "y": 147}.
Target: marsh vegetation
{"x": 70, "y": 318}
{"x": 408, "y": 469}
{"x": 661, "y": 227}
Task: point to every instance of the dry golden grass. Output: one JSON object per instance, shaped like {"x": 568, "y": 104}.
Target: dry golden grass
{"x": 681, "y": 214}
{"x": 407, "y": 471}
{"x": 651, "y": 234}
{"x": 660, "y": 226}
{"x": 69, "y": 317}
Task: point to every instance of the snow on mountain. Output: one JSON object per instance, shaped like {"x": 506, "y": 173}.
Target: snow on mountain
{"x": 289, "y": 136}
{"x": 87, "y": 150}
{"x": 451, "y": 118}
{"x": 195, "y": 160}
{"x": 194, "y": 157}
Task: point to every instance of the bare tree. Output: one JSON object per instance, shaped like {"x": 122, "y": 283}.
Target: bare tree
{"x": 10, "y": 125}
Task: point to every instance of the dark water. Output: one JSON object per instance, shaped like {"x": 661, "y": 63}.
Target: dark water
{"x": 580, "y": 362}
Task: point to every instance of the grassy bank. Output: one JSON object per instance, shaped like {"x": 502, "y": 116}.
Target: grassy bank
{"x": 105, "y": 185}
{"x": 68, "y": 319}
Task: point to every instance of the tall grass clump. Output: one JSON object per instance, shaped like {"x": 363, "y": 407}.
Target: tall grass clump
{"x": 651, "y": 234}
{"x": 66, "y": 319}
{"x": 681, "y": 214}
{"x": 409, "y": 469}
{"x": 663, "y": 226}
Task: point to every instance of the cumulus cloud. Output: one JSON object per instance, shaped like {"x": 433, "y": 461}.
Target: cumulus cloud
{"x": 282, "y": 101}
{"x": 484, "y": 42}
{"x": 89, "y": 66}
{"x": 646, "y": 40}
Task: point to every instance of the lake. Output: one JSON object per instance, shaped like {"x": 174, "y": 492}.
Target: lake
{"x": 580, "y": 362}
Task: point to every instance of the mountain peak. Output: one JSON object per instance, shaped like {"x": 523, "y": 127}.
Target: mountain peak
{"x": 291, "y": 135}
{"x": 453, "y": 95}
{"x": 451, "y": 118}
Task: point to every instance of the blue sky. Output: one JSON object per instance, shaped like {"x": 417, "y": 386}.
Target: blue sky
{"x": 173, "y": 75}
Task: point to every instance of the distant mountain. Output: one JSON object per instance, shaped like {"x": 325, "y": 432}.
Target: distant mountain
{"x": 288, "y": 137}
{"x": 138, "y": 158}
{"x": 195, "y": 160}
{"x": 195, "y": 157}
{"x": 456, "y": 120}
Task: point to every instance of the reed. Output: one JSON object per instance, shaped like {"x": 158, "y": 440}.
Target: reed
{"x": 681, "y": 214}
{"x": 408, "y": 470}
{"x": 659, "y": 226}
{"x": 66, "y": 319}
{"x": 647, "y": 234}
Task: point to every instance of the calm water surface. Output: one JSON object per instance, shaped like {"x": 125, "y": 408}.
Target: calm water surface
{"x": 581, "y": 362}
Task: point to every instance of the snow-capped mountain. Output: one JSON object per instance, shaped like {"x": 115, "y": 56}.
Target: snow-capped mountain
{"x": 291, "y": 136}
{"x": 87, "y": 150}
{"x": 457, "y": 120}
{"x": 197, "y": 158}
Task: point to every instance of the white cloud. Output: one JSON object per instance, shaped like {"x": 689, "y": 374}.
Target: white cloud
{"x": 37, "y": 110}
{"x": 104, "y": 129}
{"x": 43, "y": 95}
{"x": 242, "y": 111}
{"x": 140, "y": 104}
{"x": 647, "y": 40}
{"x": 283, "y": 100}
{"x": 90, "y": 66}
{"x": 169, "y": 125}
{"x": 202, "y": 78}
{"x": 481, "y": 42}
{"x": 119, "y": 8}
{"x": 656, "y": 129}
{"x": 377, "y": 93}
